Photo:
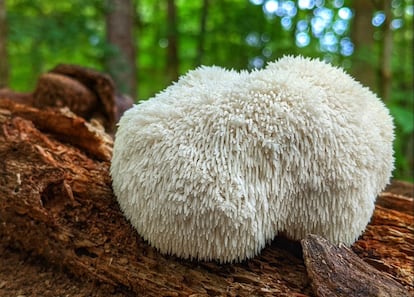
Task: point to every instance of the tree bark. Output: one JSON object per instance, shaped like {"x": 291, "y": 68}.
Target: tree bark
{"x": 4, "y": 63}
{"x": 121, "y": 63}
{"x": 56, "y": 202}
{"x": 329, "y": 268}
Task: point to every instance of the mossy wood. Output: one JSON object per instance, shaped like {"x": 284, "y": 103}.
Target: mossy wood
{"x": 56, "y": 202}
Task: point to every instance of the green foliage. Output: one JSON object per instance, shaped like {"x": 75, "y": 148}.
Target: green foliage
{"x": 45, "y": 33}
{"x": 402, "y": 111}
{"x": 404, "y": 119}
{"x": 239, "y": 34}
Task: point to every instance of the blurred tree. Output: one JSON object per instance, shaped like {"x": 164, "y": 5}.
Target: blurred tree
{"x": 363, "y": 66}
{"x": 4, "y": 62}
{"x": 121, "y": 59}
{"x": 202, "y": 34}
{"x": 172, "y": 42}
{"x": 386, "y": 52}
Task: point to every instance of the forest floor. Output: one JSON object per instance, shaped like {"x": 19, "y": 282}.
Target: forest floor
{"x": 22, "y": 275}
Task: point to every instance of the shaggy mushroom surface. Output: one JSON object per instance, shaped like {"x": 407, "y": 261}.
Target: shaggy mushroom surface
{"x": 219, "y": 163}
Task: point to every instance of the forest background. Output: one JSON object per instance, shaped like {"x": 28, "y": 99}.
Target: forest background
{"x": 145, "y": 45}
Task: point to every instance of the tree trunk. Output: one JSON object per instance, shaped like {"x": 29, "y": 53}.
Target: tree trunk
{"x": 202, "y": 34}
{"x": 4, "y": 63}
{"x": 386, "y": 54}
{"x": 172, "y": 37}
{"x": 364, "y": 59}
{"x": 56, "y": 201}
{"x": 121, "y": 62}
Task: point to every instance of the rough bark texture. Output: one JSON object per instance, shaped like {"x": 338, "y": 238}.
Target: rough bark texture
{"x": 337, "y": 271}
{"x": 388, "y": 241}
{"x": 65, "y": 126}
{"x": 56, "y": 202}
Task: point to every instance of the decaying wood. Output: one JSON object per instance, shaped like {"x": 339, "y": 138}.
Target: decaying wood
{"x": 25, "y": 98}
{"x": 337, "y": 271}
{"x": 86, "y": 92}
{"x": 56, "y": 90}
{"x": 65, "y": 126}
{"x": 111, "y": 105}
{"x": 388, "y": 241}
{"x": 56, "y": 202}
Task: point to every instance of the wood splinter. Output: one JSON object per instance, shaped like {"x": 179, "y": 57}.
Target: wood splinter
{"x": 337, "y": 271}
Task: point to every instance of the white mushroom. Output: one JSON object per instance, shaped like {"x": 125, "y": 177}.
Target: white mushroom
{"x": 218, "y": 164}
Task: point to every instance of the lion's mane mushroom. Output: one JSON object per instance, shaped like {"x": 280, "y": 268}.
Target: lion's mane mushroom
{"x": 219, "y": 163}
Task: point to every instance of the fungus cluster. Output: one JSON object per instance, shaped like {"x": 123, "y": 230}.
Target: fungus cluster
{"x": 219, "y": 163}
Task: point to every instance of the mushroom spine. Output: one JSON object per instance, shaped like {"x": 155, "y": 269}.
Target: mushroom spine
{"x": 219, "y": 163}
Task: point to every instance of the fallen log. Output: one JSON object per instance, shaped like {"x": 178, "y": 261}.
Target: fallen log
{"x": 86, "y": 92}
{"x": 56, "y": 202}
